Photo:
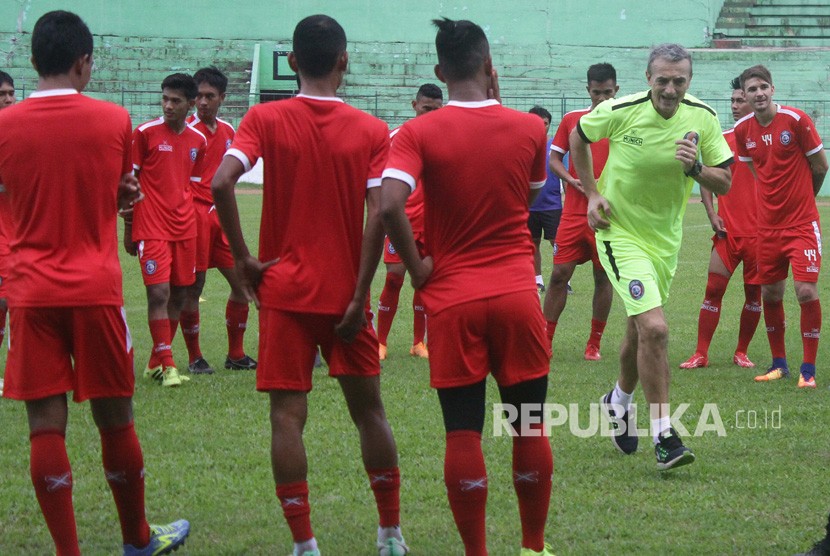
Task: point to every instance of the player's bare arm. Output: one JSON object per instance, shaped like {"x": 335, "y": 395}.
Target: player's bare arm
{"x": 371, "y": 249}
{"x": 557, "y": 166}
{"x": 129, "y": 245}
{"x": 248, "y": 267}
{"x": 707, "y": 198}
{"x": 818, "y": 167}
{"x": 392, "y": 201}
{"x": 599, "y": 209}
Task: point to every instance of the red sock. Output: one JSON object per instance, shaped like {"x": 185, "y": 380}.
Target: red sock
{"x": 774, "y": 319}
{"x": 52, "y": 479}
{"x": 707, "y": 322}
{"x": 124, "y": 469}
{"x": 386, "y": 486}
{"x": 810, "y": 329}
{"x": 388, "y": 305}
{"x": 419, "y": 319}
{"x": 597, "y": 328}
{"x": 190, "y": 333}
{"x": 750, "y": 316}
{"x": 162, "y": 352}
{"x": 466, "y": 479}
{"x": 236, "y": 320}
{"x": 550, "y": 329}
{"x": 294, "y": 501}
{"x": 532, "y": 474}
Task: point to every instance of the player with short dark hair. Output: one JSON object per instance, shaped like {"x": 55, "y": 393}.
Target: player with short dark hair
{"x": 323, "y": 162}
{"x": 546, "y": 210}
{"x": 783, "y": 148}
{"x": 735, "y": 242}
{"x": 7, "y": 97}
{"x": 212, "y": 249}
{"x": 167, "y": 157}
{"x": 65, "y": 287}
{"x": 575, "y": 243}
{"x": 428, "y": 99}
{"x": 656, "y": 138}
{"x": 480, "y": 166}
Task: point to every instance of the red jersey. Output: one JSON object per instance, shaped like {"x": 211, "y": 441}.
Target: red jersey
{"x": 414, "y": 203}
{"x": 476, "y": 162}
{"x": 218, "y": 143}
{"x": 738, "y": 207}
{"x": 166, "y": 163}
{"x": 575, "y": 201}
{"x": 320, "y": 156}
{"x": 62, "y": 155}
{"x": 5, "y": 225}
{"x": 779, "y": 154}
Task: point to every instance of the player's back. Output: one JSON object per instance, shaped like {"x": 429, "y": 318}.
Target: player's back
{"x": 319, "y": 156}
{"x": 478, "y": 161}
{"x": 61, "y": 159}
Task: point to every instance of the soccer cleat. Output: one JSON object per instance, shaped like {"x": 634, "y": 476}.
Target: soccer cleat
{"x": 671, "y": 452}
{"x": 696, "y": 361}
{"x": 200, "y": 367}
{"x": 547, "y": 550}
{"x": 155, "y": 373}
{"x": 419, "y": 350}
{"x": 164, "y": 539}
{"x": 540, "y": 288}
{"x": 625, "y": 441}
{"x": 570, "y": 289}
{"x": 773, "y": 374}
{"x": 592, "y": 353}
{"x": 741, "y": 360}
{"x": 244, "y": 364}
{"x": 392, "y": 547}
{"x": 382, "y": 352}
{"x": 804, "y": 382}
{"x": 171, "y": 377}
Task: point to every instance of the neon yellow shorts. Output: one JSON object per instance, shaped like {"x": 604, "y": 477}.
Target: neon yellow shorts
{"x": 640, "y": 277}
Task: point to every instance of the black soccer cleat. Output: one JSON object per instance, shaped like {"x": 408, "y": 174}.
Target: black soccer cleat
{"x": 624, "y": 440}
{"x": 671, "y": 452}
{"x": 244, "y": 364}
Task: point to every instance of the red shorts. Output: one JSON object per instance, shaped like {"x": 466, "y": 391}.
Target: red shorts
{"x": 390, "y": 256}
{"x": 168, "y": 261}
{"x": 503, "y": 335}
{"x": 288, "y": 343}
{"x": 212, "y": 248}
{"x": 734, "y": 250}
{"x": 53, "y": 350}
{"x": 575, "y": 241}
{"x": 799, "y": 247}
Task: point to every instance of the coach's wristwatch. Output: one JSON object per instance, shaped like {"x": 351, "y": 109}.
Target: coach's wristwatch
{"x": 695, "y": 170}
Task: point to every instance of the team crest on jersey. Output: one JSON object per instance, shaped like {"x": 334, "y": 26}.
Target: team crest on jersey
{"x": 166, "y": 147}
{"x": 391, "y": 249}
{"x": 555, "y": 249}
{"x": 193, "y": 152}
{"x": 150, "y": 267}
{"x": 227, "y": 144}
{"x": 786, "y": 137}
{"x": 636, "y": 289}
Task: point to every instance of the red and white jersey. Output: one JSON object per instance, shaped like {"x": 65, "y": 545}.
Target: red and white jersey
{"x": 477, "y": 162}
{"x": 166, "y": 164}
{"x": 414, "y": 203}
{"x": 738, "y": 208}
{"x": 575, "y": 201}
{"x": 218, "y": 142}
{"x": 320, "y": 156}
{"x": 62, "y": 156}
{"x": 779, "y": 154}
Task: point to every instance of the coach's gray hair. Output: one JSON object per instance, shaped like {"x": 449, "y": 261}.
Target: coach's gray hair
{"x": 672, "y": 52}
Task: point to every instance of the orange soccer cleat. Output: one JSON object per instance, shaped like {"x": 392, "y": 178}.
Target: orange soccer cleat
{"x": 419, "y": 350}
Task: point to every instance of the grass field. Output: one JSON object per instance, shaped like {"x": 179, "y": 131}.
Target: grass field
{"x": 761, "y": 489}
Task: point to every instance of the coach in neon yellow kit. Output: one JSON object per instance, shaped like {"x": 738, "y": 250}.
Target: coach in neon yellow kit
{"x": 637, "y": 211}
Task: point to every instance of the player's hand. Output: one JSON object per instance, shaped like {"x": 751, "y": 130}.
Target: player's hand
{"x": 494, "y": 91}
{"x": 686, "y": 153}
{"x": 717, "y": 224}
{"x": 420, "y": 275}
{"x": 129, "y": 193}
{"x": 130, "y": 246}
{"x": 577, "y": 184}
{"x": 250, "y": 270}
{"x": 599, "y": 209}
{"x": 354, "y": 319}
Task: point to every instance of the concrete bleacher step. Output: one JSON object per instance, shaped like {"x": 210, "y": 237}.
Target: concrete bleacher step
{"x": 815, "y": 12}
{"x": 789, "y": 2}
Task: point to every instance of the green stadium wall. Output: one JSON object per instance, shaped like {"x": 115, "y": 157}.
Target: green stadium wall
{"x": 541, "y": 49}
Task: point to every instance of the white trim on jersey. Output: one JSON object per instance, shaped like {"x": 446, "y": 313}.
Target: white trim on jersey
{"x": 537, "y": 184}
{"x": 53, "y": 93}
{"x": 745, "y": 158}
{"x": 396, "y": 174}
{"x": 473, "y": 104}
{"x": 239, "y": 155}
{"x": 794, "y": 115}
{"x": 331, "y": 99}
{"x": 814, "y": 151}
{"x": 151, "y": 123}
{"x": 373, "y": 182}
{"x": 557, "y": 149}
